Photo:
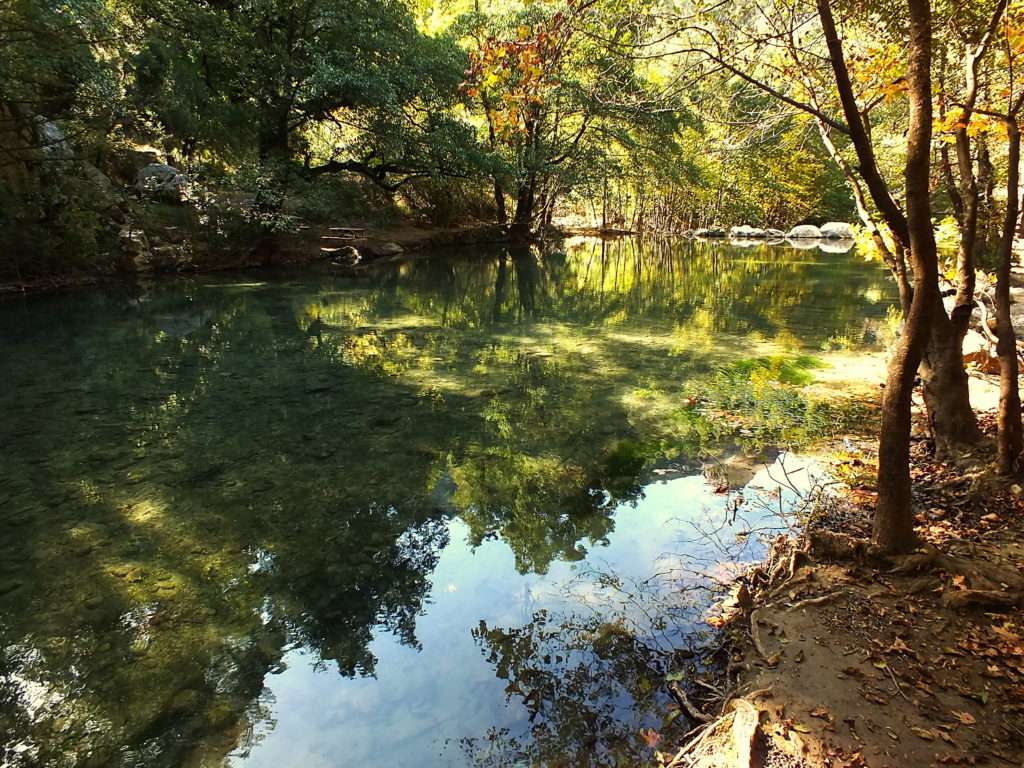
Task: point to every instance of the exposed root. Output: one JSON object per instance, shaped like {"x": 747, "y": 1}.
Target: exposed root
{"x": 683, "y": 700}
{"x": 825, "y": 545}
{"x": 821, "y": 600}
{"x": 984, "y": 599}
{"x": 989, "y": 586}
{"x": 755, "y": 636}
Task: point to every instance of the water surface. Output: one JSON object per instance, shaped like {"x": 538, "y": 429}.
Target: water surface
{"x": 414, "y": 516}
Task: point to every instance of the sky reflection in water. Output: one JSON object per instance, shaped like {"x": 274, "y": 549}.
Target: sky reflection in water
{"x": 317, "y": 520}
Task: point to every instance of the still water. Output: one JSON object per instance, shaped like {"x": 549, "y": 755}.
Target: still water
{"x": 451, "y": 512}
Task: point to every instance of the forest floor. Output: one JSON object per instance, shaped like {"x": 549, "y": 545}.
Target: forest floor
{"x": 840, "y": 659}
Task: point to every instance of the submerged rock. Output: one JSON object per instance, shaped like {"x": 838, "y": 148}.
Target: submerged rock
{"x": 804, "y": 232}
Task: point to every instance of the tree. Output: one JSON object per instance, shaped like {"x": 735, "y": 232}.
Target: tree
{"x": 353, "y": 86}
{"x": 557, "y": 98}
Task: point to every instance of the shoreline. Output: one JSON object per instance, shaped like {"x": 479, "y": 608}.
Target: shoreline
{"x": 292, "y": 250}
{"x": 838, "y": 658}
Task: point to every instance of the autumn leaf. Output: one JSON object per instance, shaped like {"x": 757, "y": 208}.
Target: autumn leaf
{"x": 964, "y": 717}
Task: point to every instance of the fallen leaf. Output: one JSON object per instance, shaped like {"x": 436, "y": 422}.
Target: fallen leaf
{"x": 923, "y": 733}
{"x": 651, "y": 737}
{"x": 898, "y": 646}
{"x": 964, "y": 717}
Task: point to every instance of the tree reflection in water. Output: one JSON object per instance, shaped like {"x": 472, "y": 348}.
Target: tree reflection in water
{"x": 200, "y": 477}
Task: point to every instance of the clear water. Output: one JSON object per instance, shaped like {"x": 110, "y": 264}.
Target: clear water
{"x": 422, "y": 516}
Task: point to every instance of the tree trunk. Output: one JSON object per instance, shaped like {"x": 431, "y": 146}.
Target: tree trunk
{"x": 946, "y": 386}
{"x": 1009, "y": 419}
{"x": 946, "y": 391}
{"x": 893, "y": 529}
{"x": 499, "y": 203}
{"x": 522, "y": 225}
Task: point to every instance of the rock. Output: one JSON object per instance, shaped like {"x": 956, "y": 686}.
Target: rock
{"x": 103, "y": 185}
{"x": 774, "y": 234}
{"x": 709, "y": 232}
{"x": 135, "y": 247}
{"x": 746, "y": 232}
{"x": 52, "y": 141}
{"x": 348, "y": 256}
{"x": 837, "y": 230}
{"x": 977, "y": 351}
{"x": 163, "y": 182}
{"x": 380, "y": 250}
{"x": 804, "y": 232}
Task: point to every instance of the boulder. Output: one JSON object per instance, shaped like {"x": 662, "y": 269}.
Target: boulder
{"x": 746, "y": 232}
{"x": 52, "y": 141}
{"x": 135, "y": 248}
{"x": 837, "y": 230}
{"x": 380, "y": 250}
{"x": 163, "y": 182}
{"x": 709, "y": 232}
{"x": 804, "y": 232}
{"x": 346, "y": 256}
{"x": 775, "y": 234}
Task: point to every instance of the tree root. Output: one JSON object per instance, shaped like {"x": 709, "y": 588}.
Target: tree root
{"x": 825, "y": 545}
{"x": 820, "y": 600}
{"x": 978, "y": 572}
{"x": 755, "y": 637}
{"x": 684, "y": 702}
{"x": 985, "y": 599}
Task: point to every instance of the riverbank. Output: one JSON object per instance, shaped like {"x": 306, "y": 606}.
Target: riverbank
{"x": 840, "y": 659}
{"x": 165, "y": 249}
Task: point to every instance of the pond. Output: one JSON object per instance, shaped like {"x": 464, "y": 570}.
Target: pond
{"x": 461, "y": 510}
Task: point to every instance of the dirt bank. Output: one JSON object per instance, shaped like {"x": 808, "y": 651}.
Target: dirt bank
{"x": 845, "y": 660}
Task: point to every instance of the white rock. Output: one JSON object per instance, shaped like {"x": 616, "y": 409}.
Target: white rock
{"x": 746, "y": 232}
{"x": 164, "y": 182}
{"x": 804, "y": 232}
{"x": 837, "y": 230}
